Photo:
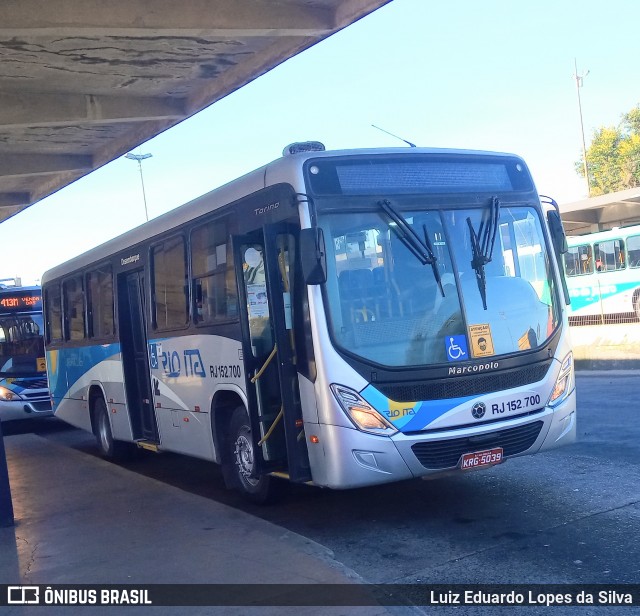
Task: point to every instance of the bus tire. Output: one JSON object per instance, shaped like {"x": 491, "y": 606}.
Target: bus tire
{"x": 261, "y": 489}
{"x": 110, "y": 449}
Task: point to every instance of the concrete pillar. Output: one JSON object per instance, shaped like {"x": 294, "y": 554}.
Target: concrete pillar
{"x": 6, "y": 506}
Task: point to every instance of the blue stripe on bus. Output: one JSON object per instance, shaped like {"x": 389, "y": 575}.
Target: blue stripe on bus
{"x": 411, "y": 416}
{"x": 589, "y": 294}
{"x": 68, "y": 366}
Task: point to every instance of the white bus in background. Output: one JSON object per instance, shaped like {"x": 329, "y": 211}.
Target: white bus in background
{"x": 603, "y": 275}
{"x": 344, "y": 318}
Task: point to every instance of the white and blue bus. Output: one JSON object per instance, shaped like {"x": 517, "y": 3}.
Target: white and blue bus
{"x": 23, "y": 379}
{"x": 344, "y": 318}
{"x": 603, "y": 275}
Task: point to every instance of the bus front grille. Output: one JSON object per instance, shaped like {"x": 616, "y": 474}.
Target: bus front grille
{"x": 446, "y": 453}
{"x": 31, "y": 383}
{"x": 460, "y": 386}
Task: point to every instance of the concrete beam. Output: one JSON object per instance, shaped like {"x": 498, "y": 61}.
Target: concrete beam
{"x": 44, "y": 109}
{"x": 616, "y": 213}
{"x": 630, "y": 194}
{"x": 12, "y": 199}
{"x": 220, "y": 18}
{"x": 24, "y": 165}
{"x": 585, "y": 216}
{"x": 348, "y": 11}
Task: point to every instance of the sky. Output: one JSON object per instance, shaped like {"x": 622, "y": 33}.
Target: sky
{"x": 490, "y": 75}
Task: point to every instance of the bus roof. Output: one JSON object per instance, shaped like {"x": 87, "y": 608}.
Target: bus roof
{"x": 601, "y": 236}
{"x": 11, "y": 289}
{"x": 269, "y": 174}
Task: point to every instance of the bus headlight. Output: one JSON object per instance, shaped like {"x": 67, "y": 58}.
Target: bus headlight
{"x": 361, "y": 413}
{"x": 6, "y": 395}
{"x": 564, "y": 382}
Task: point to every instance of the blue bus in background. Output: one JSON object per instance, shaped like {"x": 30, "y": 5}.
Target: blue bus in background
{"x": 23, "y": 380}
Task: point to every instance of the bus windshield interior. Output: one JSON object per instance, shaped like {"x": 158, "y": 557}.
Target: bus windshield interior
{"x": 21, "y": 345}
{"x": 416, "y": 287}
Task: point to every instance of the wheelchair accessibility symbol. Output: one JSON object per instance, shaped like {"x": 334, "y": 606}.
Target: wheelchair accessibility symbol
{"x": 456, "y": 348}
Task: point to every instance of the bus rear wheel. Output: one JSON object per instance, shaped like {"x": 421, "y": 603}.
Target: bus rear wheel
{"x": 260, "y": 489}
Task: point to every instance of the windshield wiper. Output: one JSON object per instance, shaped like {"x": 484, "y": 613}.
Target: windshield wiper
{"x": 422, "y": 250}
{"x": 482, "y": 244}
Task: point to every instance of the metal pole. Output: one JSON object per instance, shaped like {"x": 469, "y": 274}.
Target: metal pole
{"x": 140, "y": 158}
{"x": 579, "y": 80}
{"x": 144, "y": 195}
{"x": 6, "y": 506}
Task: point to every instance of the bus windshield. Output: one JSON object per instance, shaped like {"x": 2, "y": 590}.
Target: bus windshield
{"x": 21, "y": 345}
{"x": 416, "y": 287}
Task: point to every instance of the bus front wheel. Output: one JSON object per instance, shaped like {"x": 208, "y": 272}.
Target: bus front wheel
{"x": 109, "y": 447}
{"x": 258, "y": 488}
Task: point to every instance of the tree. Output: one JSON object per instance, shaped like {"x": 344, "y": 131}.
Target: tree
{"x": 613, "y": 158}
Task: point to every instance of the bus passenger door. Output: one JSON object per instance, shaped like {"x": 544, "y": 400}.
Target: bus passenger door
{"x": 265, "y": 262}
{"x": 135, "y": 359}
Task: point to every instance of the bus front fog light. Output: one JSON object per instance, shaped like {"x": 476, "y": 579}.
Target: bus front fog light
{"x": 366, "y": 459}
{"x": 361, "y": 413}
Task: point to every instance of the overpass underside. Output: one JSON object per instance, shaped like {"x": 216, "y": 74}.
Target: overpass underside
{"x": 84, "y": 81}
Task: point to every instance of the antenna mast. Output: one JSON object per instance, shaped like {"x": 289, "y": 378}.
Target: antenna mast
{"x": 413, "y": 145}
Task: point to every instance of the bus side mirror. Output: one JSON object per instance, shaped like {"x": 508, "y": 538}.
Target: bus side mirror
{"x": 560, "y": 246}
{"x": 557, "y": 232}
{"x": 313, "y": 256}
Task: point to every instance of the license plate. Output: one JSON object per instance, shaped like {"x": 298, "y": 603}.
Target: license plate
{"x": 478, "y": 459}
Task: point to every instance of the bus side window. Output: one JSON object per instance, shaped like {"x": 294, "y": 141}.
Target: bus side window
{"x": 170, "y": 293}
{"x": 578, "y": 260}
{"x": 73, "y": 308}
{"x": 213, "y": 278}
{"x": 53, "y": 302}
{"x": 610, "y": 255}
{"x": 99, "y": 285}
{"x": 571, "y": 262}
{"x": 633, "y": 250}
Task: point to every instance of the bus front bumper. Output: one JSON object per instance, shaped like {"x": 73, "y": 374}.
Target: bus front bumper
{"x": 23, "y": 409}
{"x": 347, "y": 458}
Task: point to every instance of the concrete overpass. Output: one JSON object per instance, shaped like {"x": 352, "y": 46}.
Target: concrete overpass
{"x": 85, "y": 81}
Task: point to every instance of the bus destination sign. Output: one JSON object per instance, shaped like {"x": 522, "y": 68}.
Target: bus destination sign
{"x": 20, "y": 301}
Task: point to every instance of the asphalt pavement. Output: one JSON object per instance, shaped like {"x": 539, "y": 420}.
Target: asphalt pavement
{"x": 82, "y": 520}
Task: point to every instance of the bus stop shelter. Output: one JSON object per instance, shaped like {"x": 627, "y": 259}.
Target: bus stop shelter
{"x": 617, "y": 209}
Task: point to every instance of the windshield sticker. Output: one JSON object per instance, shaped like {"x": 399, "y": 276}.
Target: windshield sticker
{"x": 257, "y": 302}
{"x": 252, "y": 257}
{"x": 481, "y": 340}
{"x": 456, "y": 348}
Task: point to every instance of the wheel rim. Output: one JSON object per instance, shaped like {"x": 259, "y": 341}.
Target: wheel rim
{"x": 103, "y": 432}
{"x": 244, "y": 459}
